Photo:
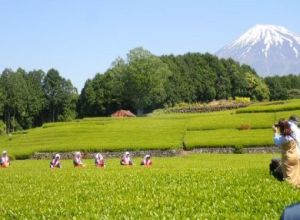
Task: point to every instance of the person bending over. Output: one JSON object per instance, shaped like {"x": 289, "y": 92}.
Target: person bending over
{"x": 77, "y": 160}
{"x": 126, "y": 160}
{"x": 55, "y": 163}
{"x": 4, "y": 161}
{"x": 99, "y": 160}
{"x": 146, "y": 161}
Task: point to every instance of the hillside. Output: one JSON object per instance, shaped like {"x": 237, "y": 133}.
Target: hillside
{"x": 244, "y": 127}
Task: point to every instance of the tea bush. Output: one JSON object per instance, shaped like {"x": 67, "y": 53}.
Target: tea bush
{"x": 166, "y": 131}
{"x": 289, "y": 105}
{"x": 190, "y": 187}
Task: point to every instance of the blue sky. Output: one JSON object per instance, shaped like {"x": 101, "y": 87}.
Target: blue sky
{"x": 82, "y": 37}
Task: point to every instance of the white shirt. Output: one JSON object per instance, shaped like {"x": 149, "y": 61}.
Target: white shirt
{"x": 279, "y": 140}
{"x": 4, "y": 159}
{"x": 78, "y": 160}
{"x": 296, "y": 135}
{"x": 127, "y": 159}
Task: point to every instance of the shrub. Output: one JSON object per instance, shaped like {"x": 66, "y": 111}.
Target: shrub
{"x": 238, "y": 149}
{"x": 245, "y": 127}
{"x": 242, "y": 99}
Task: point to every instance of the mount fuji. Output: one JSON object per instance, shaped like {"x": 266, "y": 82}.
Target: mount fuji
{"x": 269, "y": 49}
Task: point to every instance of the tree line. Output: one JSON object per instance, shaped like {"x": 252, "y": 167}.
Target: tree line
{"x": 144, "y": 82}
{"x": 141, "y": 83}
{"x": 29, "y": 99}
{"x": 284, "y": 87}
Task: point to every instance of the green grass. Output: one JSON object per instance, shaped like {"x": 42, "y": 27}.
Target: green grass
{"x": 95, "y": 135}
{"x": 191, "y": 187}
{"x": 166, "y": 131}
{"x": 228, "y": 138}
{"x": 230, "y": 120}
{"x": 289, "y": 105}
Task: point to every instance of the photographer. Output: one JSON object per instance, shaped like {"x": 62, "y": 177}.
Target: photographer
{"x": 294, "y": 121}
{"x": 290, "y": 165}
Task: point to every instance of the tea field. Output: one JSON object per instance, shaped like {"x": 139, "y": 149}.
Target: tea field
{"x": 206, "y": 186}
{"x": 244, "y": 127}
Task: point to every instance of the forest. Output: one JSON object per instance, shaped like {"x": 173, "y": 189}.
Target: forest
{"x": 141, "y": 83}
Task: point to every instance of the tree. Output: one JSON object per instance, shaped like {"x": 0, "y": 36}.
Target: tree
{"x": 61, "y": 97}
{"x": 222, "y": 80}
{"x": 283, "y": 87}
{"x": 179, "y": 85}
{"x": 15, "y": 97}
{"x": 277, "y": 92}
{"x": 144, "y": 82}
{"x": 36, "y": 100}
{"x": 86, "y": 103}
{"x": 257, "y": 88}
{"x": 145, "y": 78}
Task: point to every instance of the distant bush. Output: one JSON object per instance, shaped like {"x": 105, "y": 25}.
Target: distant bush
{"x": 294, "y": 93}
{"x": 239, "y": 149}
{"x": 245, "y": 127}
{"x": 199, "y": 107}
{"x": 242, "y": 99}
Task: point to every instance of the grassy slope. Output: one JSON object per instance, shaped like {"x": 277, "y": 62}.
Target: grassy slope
{"x": 289, "y": 105}
{"x": 228, "y": 137}
{"x": 90, "y": 135}
{"x": 158, "y": 132}
{"x": 194, "y": 187}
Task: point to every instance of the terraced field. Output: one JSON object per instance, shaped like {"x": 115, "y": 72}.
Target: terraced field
{"x": 235, "y": 128}
{"x": 98, "y": 134}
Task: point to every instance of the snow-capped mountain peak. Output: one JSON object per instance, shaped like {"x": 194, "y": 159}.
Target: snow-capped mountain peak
{"x": 263, "y": 43}
{"x": 270, "y": 35}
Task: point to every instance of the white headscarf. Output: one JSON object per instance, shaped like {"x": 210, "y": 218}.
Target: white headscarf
{"x": 77, "y": 154}
{"x": 99, "y": 156}
{"x": 4, "y": 152}
{"x": 57, "y": 156}
{"x": 147, "y": 156}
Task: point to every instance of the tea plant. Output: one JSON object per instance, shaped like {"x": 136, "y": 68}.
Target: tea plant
{"x": 188, "y": 187}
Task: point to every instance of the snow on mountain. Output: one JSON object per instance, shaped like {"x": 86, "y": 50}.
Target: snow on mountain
{"x": 269, "y": 49}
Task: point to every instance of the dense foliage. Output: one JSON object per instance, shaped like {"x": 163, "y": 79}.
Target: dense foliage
{"x": 283, "y": 87}
{"x": 144, "y": 82}
{"x": 141, "y": 83}
{"x": 188, "y": 187}
{"x": 30, "y": 99}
